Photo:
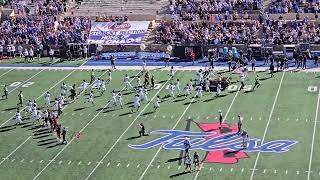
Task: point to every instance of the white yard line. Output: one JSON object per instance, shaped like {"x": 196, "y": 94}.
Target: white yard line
{"x": 41, "y": 95}
{"x": 21, "y": 84}
{"x": 156, "y": 154}
{"x": 267, "y": 126}
{"x": 5, "y": 73}
{"x": 313, "y": 136}
{"x": 116, "y": 142}
{"x": 48, "y": 164}
{"x": 224, "y": 118}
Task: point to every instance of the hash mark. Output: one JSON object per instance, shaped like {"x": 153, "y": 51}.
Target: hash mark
{"x": 89, "y": 114}
{"x": 286, "y": 171}
{"x": 210, "y": 169}
{"x": 107, "y": 164}
{"x": 158, "y": 166}
{"x": 32, "y": 161}
{"x": 41, "y": 161}
{"x": 81, "y": 114}
{"x": 154, "y": 116}
{"x": 22, "y": 160}
{"x": 79, "y": 163}
{"x": 297, "y": 119}
{"x": 138, "y": 165}
{"x": 264, "y": 171}
{"x": 242, "y": 170}
{"x": 172, "y": 117}
{"x": 72, "y": 114}
{"x": 130, "y": 115}
{"x": 179, "y": 167}
{"x": 168, "y": 167}
{"x": 128, "y": 165}
{"x": 163, "y": 117}
{"x": 220, "y": 169}
{"x": 60, "y": 162}
{"x": 89, "y": 163}
{"x": 118, "y": 164}
{"x": 113, "y": 115}
{"x": 69, "y": 162}
{"x": 275, "y": 171}
{"x": 207, "y": 117}
{"x": 13, "y": 160}
{"x": 231, "y": 169}
{"x": 298, "y": 172}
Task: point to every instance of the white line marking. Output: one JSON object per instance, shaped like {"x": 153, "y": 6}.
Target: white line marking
{"x": 40, "y": 96}
{"x": 298, "y": 172}
{"x": 179, "y": 167}
{"x": 16, "y": 149}
{"x": 224, "y": 118}
{"x": 118, "y": 164}
{"x": 128, "y": 165}
{"x": 13, "y": 160}
{"x": 41, "y": 161}
{"x": 242, "y": 170}
{"x": 32, "y": 161}
{"x": 73, "y": 138}
{"x": 22, "y": 160}
{"x": 60, "y": 162}
{"x": 231, "y": 169}
{"x": 313, "y": 136}
{"x": 264, "y": 171}
{"x": 89, "y": 163}
{"x": 111, "y": 148}
{"x": 184, "y": 112}
{"x": 21, "y": 84}
{"x": 267, "y": 126}
{"x": 275, "y": 171}
{"x": 286, "y": 171}
{"x": 210, "y": 169}
{"x": 220, "y": 169}
{"x": 138, "y": 165}
{"x": 79, "y": 163}
{"x": 69, "y": 162}
{"x": 6, "y": 73}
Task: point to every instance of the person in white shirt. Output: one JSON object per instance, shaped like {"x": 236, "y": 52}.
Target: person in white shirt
{"x": 177, "y": 87}
{"x": 119, "y": 100}
{"x": 61, "y": 99}
{"x": 85, "y": 52}
{"x": 51, "y": 53}
{"x": 171, "y": 90}
{"x": 136, "y": 103}
{"x": 145, "y": 94}
{"x": 102, "y": 88}
{"x": 18, "y": 118}
{"x": 97, "y": 84}
{"x": 34, "y": 113}
{"x": 144, "y": 66}
{"x": 47, "y": 99}
{"x": 207, "y": 85}
{"x": 171, "y": 73}
{"x": 186, "y": 90}
{"x": 90, "y": 98}
{"x": 31, "y": 54}
{"x": 20, "y": 49}
{"x": 9, "y": 51}
{"x": 83, "y": 86}
{"x": 26, "y": 55}
{"x": 63, "y": 89}
{"x": 126, "y": 81}
{"x": 139, "y": 84}
{"x": 190, "y": 85}
{"x": 56, "y": 104}
{"x": 199, "y": 91}
{"x": 113, "y": 98}
{"x": 218, "y": 89}
{"x": 29, "y": 106}
{"x": 157, "y": 103}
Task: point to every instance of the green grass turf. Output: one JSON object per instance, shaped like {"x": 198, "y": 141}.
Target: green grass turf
{"x": 43, "y": 61}
{"x": 292, "y": 118}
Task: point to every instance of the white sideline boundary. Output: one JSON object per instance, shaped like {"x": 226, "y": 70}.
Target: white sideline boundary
{"x": 192, "y": 68}
{"x": 267, "y": 126}
{"x": 48, "y": 164}
{"x": 313, "y": 136}
{"x": 116, "y": 142}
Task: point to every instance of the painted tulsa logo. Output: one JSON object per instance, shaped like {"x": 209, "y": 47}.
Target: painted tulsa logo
{"x": 222, "y": 145}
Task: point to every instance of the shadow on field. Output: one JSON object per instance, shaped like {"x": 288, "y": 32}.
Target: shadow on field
{"x": 178, "y": 100}
{"x": 147, "y": 113}
{"x": 79, "y": 109}
{"x": 174, "y": 159}
{"x": 47, "y": 143}
{"x": 109, "y": 110}
{"x": 10, "y": 109}
{"x": 45, "y": 140}
{"x": 134, "y": 137}
{"x": 125, "y": 114}
{"x": 39, "y": 137}
{"x": 55, "y": 145}
{"x": 180, "y": 174}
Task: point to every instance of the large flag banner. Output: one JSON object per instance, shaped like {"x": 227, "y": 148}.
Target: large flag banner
{"x": 115, "y": 33}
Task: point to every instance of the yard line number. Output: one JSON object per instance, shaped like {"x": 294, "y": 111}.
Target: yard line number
{"x": 25, "y": 85}
{"x": 313, "y": 89}
{"x": 234, "y": 87}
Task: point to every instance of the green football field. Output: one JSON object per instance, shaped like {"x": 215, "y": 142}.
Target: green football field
{"x": 284, "y": 109}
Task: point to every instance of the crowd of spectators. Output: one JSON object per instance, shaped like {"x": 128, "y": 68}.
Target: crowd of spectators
{"x": 226, "y": 32}
{"x": 49, "y": 7}
{"x": 291, "y": 32}
{"x": 294, "y": 6}
{"x": 44, "y": 29}
{"x": 203, "y": 8}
